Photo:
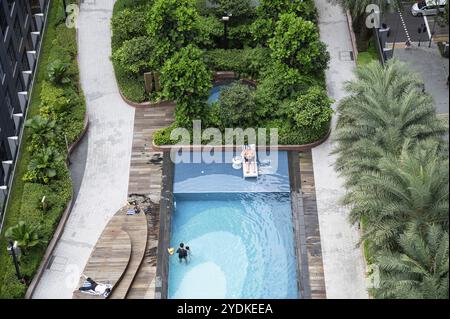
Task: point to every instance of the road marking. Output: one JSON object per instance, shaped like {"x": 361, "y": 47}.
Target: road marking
{"x": 404, "y": 25}
{"x": 428, "y": 27}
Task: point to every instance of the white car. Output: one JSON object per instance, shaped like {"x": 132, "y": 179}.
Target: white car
{"x": 428, "y": 7}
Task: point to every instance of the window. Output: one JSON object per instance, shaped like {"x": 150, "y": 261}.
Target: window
{"x": 2, "y": 74}
{"x": 11, "y": 4}
{"x": 19, "y": 85}
{"x": 17, "y": 28}
{"x": 3, "y": 21}
{"x": 12, "y": 57}
{"x": 25, "y": 65}
{"x": 9, "y": 105}
{"x": 35, "y": 6}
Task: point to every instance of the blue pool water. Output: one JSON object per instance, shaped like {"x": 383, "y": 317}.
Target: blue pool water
{"x": 214, "y": 93}
{"x": 240, "y": 234}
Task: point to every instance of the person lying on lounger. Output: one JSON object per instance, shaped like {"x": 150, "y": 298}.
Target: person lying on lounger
{"x": 249, "y": 156}
{"x": 90, "y": 286}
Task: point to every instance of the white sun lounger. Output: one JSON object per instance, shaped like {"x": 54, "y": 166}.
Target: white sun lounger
{"x": 250, "y": 169}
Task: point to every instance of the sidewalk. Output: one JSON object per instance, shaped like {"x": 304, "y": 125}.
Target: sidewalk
{"x": 344, "y": 266}
{"x": 104, "y": 186}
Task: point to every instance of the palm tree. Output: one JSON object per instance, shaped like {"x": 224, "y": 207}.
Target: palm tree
{"x": 419, "y": 270}
{"x": 385, "y": 108}
{"x": 408, "y": 191}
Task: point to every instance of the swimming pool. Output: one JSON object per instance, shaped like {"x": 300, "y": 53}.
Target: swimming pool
{"x": 214, "y": 93}
{"x": 241, "y": 234}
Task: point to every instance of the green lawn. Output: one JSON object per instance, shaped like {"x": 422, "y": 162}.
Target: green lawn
{"x": 368, "y": 56}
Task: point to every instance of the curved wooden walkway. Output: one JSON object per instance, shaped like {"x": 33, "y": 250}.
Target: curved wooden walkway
{"x": 117, "y": 255}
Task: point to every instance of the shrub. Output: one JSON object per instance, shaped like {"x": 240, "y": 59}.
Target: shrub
{"x": 173, "y": 24}
{"x": 210, "y": 31}
{"x": 26, "y": 235}
{"x": 239, "y": 8}
{"x": 310, "y": 111}
{"x": 296, "y": 43}
{"x": 186, "y": 80}
{"x": 246, "y": 63}
{"x": 53, "y": 101}
{"x": 43, "y": 132}
{"x": 56, "y": 72}
{"x": 262, "y": 30}
{"x": 237, "y": 106}
{"x": 128, "y": 24}
{"x": 272, "y": 9}
{"x": 43, "y": 166}
{"x": 278, "y": 83}
{"x": 135, "y": 56}
{"x": 162, "y": 136}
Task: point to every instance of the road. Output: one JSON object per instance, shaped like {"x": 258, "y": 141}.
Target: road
{"x": 404, "y": 26}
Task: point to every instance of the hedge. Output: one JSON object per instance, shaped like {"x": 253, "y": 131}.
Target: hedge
{"x": 59, "y": 43}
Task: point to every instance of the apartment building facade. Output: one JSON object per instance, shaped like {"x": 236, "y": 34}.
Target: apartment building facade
{"x": 21, "y": 26}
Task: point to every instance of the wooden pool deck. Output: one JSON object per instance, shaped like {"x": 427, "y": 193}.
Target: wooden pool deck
{"x": 117, "y": 254}
{"x": 145, "y": 168}
{"x": 311, "y": 219}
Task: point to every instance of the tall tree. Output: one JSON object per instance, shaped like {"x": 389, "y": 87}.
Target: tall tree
{"x": 385, "y": 108}
{"x": 296, "y": 43}
{"x": 173, "y": 24}
{"x": 419, "y": 270}
{"x": 186, "y": 79}
{"x": 408, "y": 191}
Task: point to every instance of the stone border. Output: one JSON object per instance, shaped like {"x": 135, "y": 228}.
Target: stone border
{"x": 62, "y": 222}
{"x": 145, "y": 104}
{"x": 299, "y": 225}
{"x": 198, "y": 148}
{"x": 218, "y": 76}
{"x": 352, "y": 34}
{"x": 165, "y": 228}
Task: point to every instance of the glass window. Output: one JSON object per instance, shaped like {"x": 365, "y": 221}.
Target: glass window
{"x": 2, "y": 74}
{"x": 12, "y": 57}
{"x": 25, "y": 65}
{"x": 3, "y": 21}
{"x": 11, "y": 4}
{"x": 9, "y": 105}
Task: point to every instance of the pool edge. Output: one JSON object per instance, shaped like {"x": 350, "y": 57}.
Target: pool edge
{"x": 298, "y": 221}
{"x": 165, "y": 217}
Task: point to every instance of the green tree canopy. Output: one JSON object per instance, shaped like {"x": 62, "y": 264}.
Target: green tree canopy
{"x": 173, "y": 24}
{"x": 237, "y": 106}
{"x": 385, "y": 108}
{"x": 407, "y": 191}
{"x": 137, "y": 56}
{"x": 186, "y": 79}
{"x": 296, "y": 43}
{"x": 272, "y": 9}
{"x": 419, "y": 270}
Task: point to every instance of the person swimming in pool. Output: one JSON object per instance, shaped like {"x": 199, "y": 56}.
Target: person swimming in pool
{"x": 182, "y": 253}
{"x": 189, "y": 253}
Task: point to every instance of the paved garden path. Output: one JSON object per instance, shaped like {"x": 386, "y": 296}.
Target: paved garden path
{"x": 343, "y": 262}
{"x": 104, "y": 186}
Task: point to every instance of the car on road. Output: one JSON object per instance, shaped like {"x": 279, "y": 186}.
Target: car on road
{"x": 428, "y": 7}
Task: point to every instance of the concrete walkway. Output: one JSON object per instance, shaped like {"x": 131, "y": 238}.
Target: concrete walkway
{"x": 432, "y": 68}
{"x": 104, "y": 186}
{"x": 343, "y": 262}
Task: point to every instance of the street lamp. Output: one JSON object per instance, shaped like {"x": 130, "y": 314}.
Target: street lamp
{"x": 14, "y": 251}
{"x": 225, "y": 20}
{"x": 64, "y": 8}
